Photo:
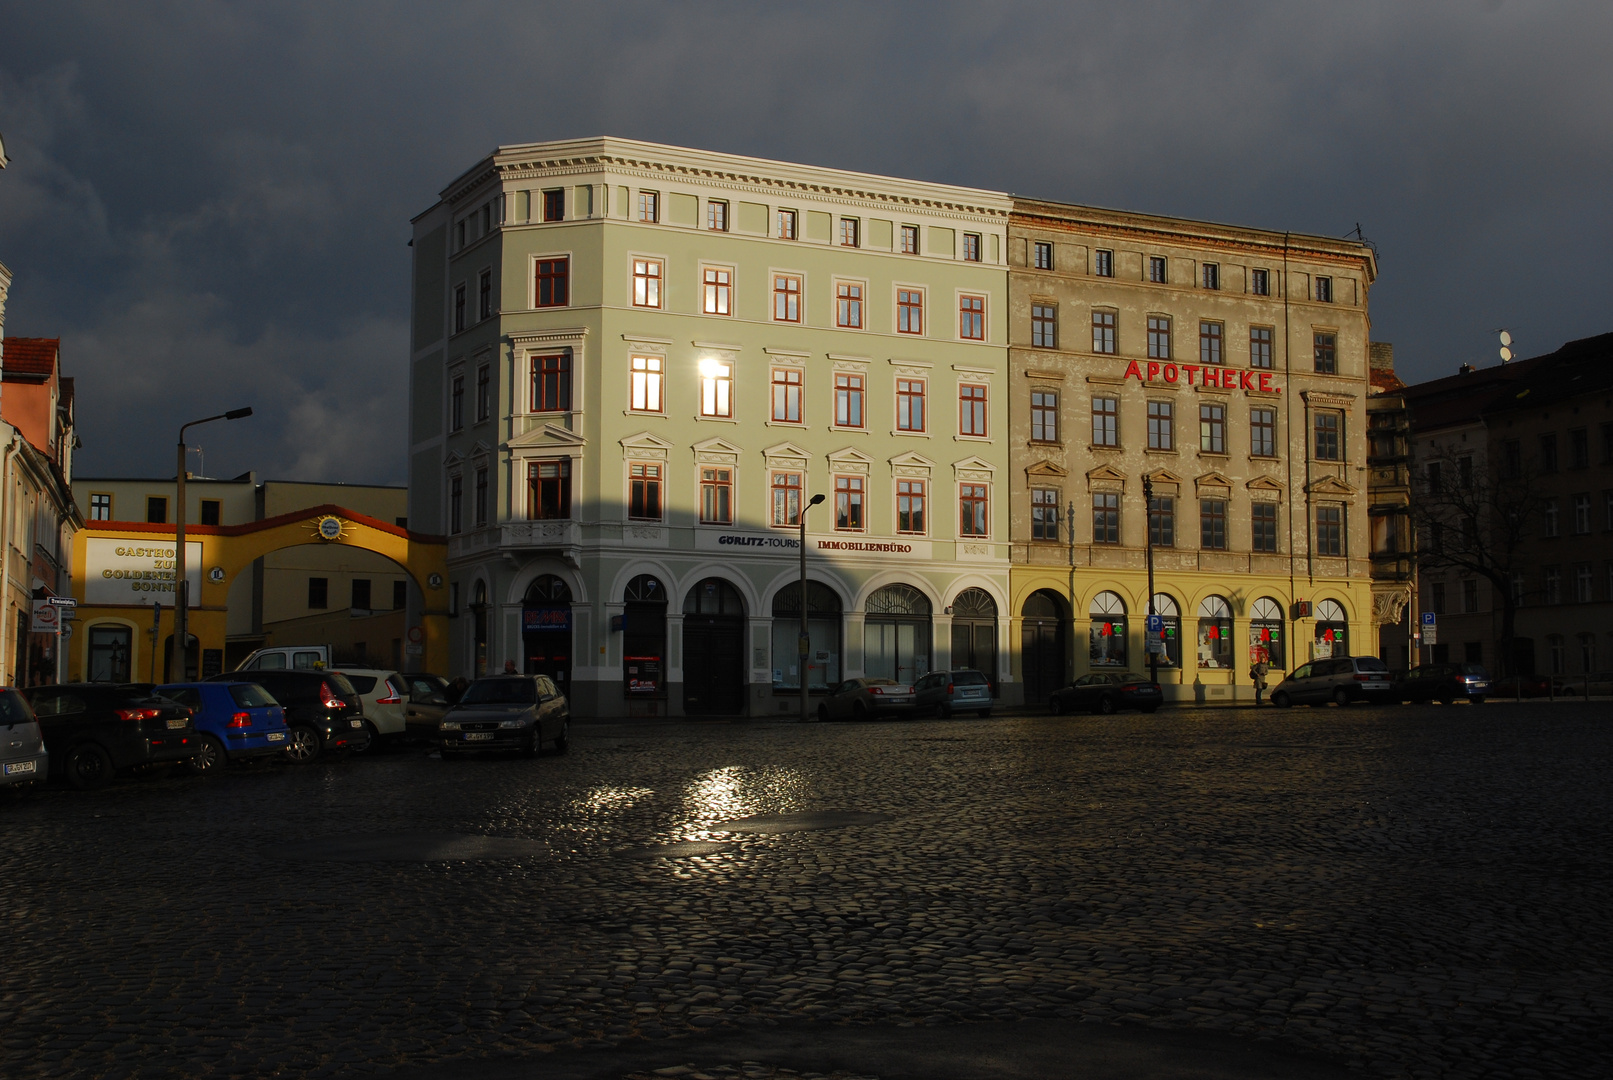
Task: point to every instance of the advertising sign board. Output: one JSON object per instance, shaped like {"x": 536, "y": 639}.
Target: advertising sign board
{"x": 137, "y": 571}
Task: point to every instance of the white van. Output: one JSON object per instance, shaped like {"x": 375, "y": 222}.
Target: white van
{"x": 294, "y": 657}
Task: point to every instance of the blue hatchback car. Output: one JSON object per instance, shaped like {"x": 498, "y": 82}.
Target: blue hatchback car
{"x": 236, "y": 721}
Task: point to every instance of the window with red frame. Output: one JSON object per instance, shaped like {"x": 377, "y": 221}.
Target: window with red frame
{"x": 910, "y": 404}
{"x": 549, "y": 489}
{"x": 644, "y": 495}
{"x": 552, "y": 286}
{"x": 971, "y": 409}
{"x": 551, "y": 383}
{"x": 910, "y": 311}
{"x": 972, "y": 318}
{"x": 972, "y": 519}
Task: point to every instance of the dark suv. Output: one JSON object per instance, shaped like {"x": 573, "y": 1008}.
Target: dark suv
{"x": 1445, "y": 682}
{"x": 95, "y": 730}
{"x": 322, "y": 710}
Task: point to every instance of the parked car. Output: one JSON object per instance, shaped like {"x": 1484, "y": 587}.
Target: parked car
{"x": 23, "y": 757}
{"x": 234, "y": 721}
{"x": 866, "y": 698}
{"x": 946, "y": 692}
{"x": 1444, "y": 682}
{"x": 1521, "y": 686}
{"x": 507, "y": 712}
{"x": 381, "y": 694}
{"x": 425, "y": 705}
{"x": 1107, "y": 692}
{"x": 1341, "y": 679}
{"x": 96, "y": 730}
{"x": 322, "y": 710}
{"x": 288, "y": 657}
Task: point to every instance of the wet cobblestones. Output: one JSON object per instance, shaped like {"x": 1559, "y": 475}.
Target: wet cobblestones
{"x": 1415, "y": 891}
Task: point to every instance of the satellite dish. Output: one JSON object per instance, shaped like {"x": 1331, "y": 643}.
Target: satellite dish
{"x": 1506, "y": 354}
{"x": 1506, "y": 337}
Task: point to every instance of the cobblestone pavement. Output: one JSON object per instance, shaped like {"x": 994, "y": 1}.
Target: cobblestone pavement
{"x": 1410, "y": 891}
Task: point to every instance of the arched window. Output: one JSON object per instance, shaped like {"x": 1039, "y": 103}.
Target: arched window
{"x": 898, "y": 600}
{"x": 1266, "y": 631}
{"x": 1215, "y": 632}
{"x": 1332, "y": 630}
{"x": 1165, "y": 607}
{"x": 546, "y": 629}
{"x": 548, "y": 589}
{"x": 1043, "y": 604}
{"x": 713, "y": 596}
{"x": 1108, "y": 631}
{"x": 823, "y": 637}
{"x": 645, "y": 589}
{"x": 644, "y": 637}
{"x": 974, "y": 604}
{"x": 974, "y": 633}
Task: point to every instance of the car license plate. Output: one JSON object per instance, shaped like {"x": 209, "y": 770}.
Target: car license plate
{"x": 355, "y": 723}
{"x": 277, "y": 736}
{"x": 477, "y": 736}
{"x": 176, "y": 725}
{"x": 14, "y": 768}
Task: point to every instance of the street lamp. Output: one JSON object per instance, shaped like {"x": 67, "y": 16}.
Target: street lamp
{"x": 1148, "y": 516}
{"x": 181, "y": 616}
{"x": 803, "y": 645}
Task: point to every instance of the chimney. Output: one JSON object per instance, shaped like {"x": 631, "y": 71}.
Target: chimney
{"x": 1465, "y": 369}
{"x": 1382, "y": 356}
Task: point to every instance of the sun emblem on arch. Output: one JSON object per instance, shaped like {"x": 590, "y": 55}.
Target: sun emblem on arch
{"x": 330, "y": 527}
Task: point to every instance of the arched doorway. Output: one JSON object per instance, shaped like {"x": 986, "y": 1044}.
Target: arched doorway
{"x": 1332, "y": 630}
{"x": 974, "y": 634}
{"x": 1042, "y": 647}
{"x": 1266, "y": 633}
{"x": 823, "y": 635}
{"x": 644, "y": 638}
{"x": 1215, "y": 633}
{"x": 1107, "y": 645}
{"x": 1171, "y": 615}
{"x": 546, "y": 630}
{"x": 111, "y": 645}
{"x": 713, "y": 650}
{"x": 896, "y": 638}
{"x": 478, "y": 614}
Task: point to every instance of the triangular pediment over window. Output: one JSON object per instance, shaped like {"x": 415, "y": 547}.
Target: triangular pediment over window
{"x": 1107, "y": 473}
{"x": 1264, "y": 483}
{"x": 1046, "y": 468}
{"x": 785, "y": 450}
{"x": 1163, "y": 476}
{"x": 851, "y": 454}
{"x": 912, "y": 461}
{"x": 1330, "y": 485}
{"x": 973, "y": 464}
{"x": 546, "y": 435}
{"x": 645, "y": 441}
{"x": 1213, "y": 479}
{"x": 717, "y": 446}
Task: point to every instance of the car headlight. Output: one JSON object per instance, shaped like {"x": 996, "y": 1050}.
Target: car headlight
{"x": 511, "y": 723}
{"x": 449, "y": 725}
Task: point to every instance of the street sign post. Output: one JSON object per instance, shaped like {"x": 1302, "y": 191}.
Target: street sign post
{"x": 1156, "y": 635}
{"x": 1430, "y": 633}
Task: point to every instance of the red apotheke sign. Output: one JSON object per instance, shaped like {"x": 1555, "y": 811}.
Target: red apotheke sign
{"x": 1208, "y": 375}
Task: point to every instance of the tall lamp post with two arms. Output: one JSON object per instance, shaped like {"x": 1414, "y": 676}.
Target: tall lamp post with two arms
{"x": 177, "y": 672}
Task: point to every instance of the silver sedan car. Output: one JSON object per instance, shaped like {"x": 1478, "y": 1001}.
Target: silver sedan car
{"x": 866, "y": 698}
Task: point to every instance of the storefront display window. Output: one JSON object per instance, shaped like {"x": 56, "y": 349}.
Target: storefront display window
{"x": 1215, "y": 633}
{"x": 1108, "y": 631}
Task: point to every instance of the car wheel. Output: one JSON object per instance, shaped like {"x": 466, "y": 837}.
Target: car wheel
{"x": 823, "y": 714}
{"x": 534, "y": 742}
{"x": 302, "y": 745}
{"x": 562, "y": 741}
{"x": 944, "y": 711}
{"x": 1055, "y": 706}
{"x": 984, "y": 714}
{"x": 373, "y": 746}
{"x": 1281, "y": 700}
{"x": 859, "y": 711}
{"x": 1341, "y": 697}
{"x": 1447, "y": 700}
{"x": 1147, "y": 709}
{"x": 1105, "y": 705}
{"x": 1477, "y": 699}
{"x": 210, "y": 758}
{"x": 88, "y": 767}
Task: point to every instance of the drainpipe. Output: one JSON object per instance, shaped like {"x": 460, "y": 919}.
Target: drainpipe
{"x": 9, "y": 512}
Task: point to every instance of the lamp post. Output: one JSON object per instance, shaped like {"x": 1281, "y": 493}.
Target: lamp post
{"x": 1070, "y": 649}
{"x": 1148, "y": 513}
{"x": 803, "y": 645}
{"x": 177, "y": 671}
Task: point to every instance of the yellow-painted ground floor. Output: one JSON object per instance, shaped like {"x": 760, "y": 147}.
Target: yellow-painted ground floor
{"x": 1214, "y": 627}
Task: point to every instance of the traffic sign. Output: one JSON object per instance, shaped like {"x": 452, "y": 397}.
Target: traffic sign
{"x": 1156, "y": 624}
{"x": 62, "y": 601}
{"x": 1428, "y": 618}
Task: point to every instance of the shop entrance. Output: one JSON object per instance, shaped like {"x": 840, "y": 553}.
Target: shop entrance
{"x": 896, "y": 638}
{"x": 111, "y": 645}
{"x": 713, "y": 650}
{"x": 974, "y": 634}
{"x": 546, "y": 630}
{"x": 644, "y": 643}
{"x": 1042, "y": 646}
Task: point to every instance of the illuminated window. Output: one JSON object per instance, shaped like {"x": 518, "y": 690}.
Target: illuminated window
{"x": 786, "y": 298}
{"x": 717, "y": 290}
{"x": 787, "y": 395}
{"x": 647, "y": 375}
{"x": 716, "y": 388}
{"x": 786, "y": 498}
{"x": 647, "y": 283}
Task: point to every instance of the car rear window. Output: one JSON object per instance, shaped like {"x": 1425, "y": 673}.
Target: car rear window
{"x": 341, "y": 684}
{"x": 1370, "y": 663}
{"x": 252, "y": 696}
{"x": 188, "y": 696}
{"x": 362, "y": 683}
{"x": 14, "y": 709}
{"x": 967, "y": 678}
{"x": 271, "y": 662}
{"x": 1474, "y": 669}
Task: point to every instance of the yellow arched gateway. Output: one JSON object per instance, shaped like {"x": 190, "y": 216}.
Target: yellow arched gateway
{"x": 121, "y": 567}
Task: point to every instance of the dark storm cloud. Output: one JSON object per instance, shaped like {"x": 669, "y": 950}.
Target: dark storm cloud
{"x": 209, "y": 202}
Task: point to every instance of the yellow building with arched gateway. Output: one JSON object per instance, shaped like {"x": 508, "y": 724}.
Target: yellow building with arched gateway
{"x": 121, "y": 569}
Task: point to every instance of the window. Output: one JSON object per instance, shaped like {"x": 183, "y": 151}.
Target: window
{"x": 1326, "y": 352}
{"x": 716, "y": 496}
{"x": 549, "y": 489}
{"x": 212, "y": 507}
{"x": 1044, "y": 416}
{"x": 848, "y": 400}
{"x": 1328, "y": 444}
{"x": 972, "y": 318}
{"x": 1210, "y": 275}
{"x": 456, "y": 505}
{"x": 1470, "y": 595}
{"x": 1436, "y": 598}
{"x": 487, "y": 218}
{"x": 1324, "y": 289}
{"x": 156, "y": 510}
{"x": 1434, "y": 479}
{"x": 972, "y": 409}
{"x": 848, "y": 305}
{"x": 910, "y": 404}
{"x": 1159, "y": 337}
{"x": 484, "y": 295}
{"x": 1044, "y": 255}
{"x": 1161, "y": 425}
{"x": 1213, "y": 524}
{"x": 644, "y": 491}
{"x": 648, "y": 372}
{"x": 849, "y": 503}
{"x": 787, "y": 395}
{"x": 1105, "y": 518}
{"x": 1260, "y": 282}
{"x": 1607, "y": 444}
{"x": 848, "y": 232}
{"x": 1105, "y": 421}
{"x": 786, "y": 298}
{"x": 1044, "y": 514}
{"x": 1517, "y": 584}
{"x": 1157, "y": 269}
{"x": 1263, "y": 432}
{"x": 1103, "y": 332}
{"x": 318, "y": 592}
{"x": 1260, "y": 347}
{"x": 972, "y": 519}
{"x": 1549, "y": 512}
{"x": 971, "y": 247}
{"x": 484, "y": 392}
{"x": 716, "y": 388}
{"x": 400, "y": 595}
{"x": 786, "y": 225}
{"x": 1583, "y": 589}
{"x": 552, "y": 279}
{"x": 100, "y": 507}
{"x": 1554, "y": 585}
{"x": 1213, "y": 429}
{"x": 1579, "y": 449}
{"x": 554, "y": 204}
{"x": 459, "y": 308}
{"x": 1162, "y": 521}
{"x": 1548, "y": 453}
{"x": 551, "y": 382}
{"x": 910, "y": 506}
{"x": 1044, "y": 326}
{"x": 1103, "y": 263}
{"x": 459, "y": 234}
{"x": 786, "y": 498}
{"x": 717, "y": 215}
{"x": 1330, "y": 530}
{"x": 647, "y": 283}
{"x": 1263, "y": 518}
{"x": 909, "y": 311}
{"x": 1608, "y": 498}
{"x": 1210, "y": 343}
{"x": 1464, "y": 470}
{"x": 910, "y": 239}
{"x": 1511, "y": 459}
{"x": 717, "y": 290}
{"x": 649, "y": 206}
{"x": 481, "y": 508}
{"x": 456, "y": 404}
{"x": 1582, "y": 514}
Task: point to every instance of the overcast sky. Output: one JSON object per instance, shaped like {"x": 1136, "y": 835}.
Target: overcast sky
{"x": 208, "y": 202}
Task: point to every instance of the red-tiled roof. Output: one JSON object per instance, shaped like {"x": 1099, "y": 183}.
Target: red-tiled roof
{"x": 31, "y": 355}
{"x": 1385, "y": 382}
